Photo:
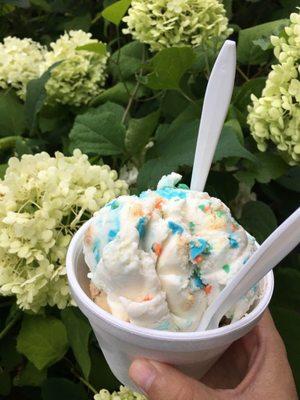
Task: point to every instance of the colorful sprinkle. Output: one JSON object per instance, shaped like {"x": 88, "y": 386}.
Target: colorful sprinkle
{"x": 157, "y": 248}
{"x": 207, "y": 289}
{"x": 141, "y": 226}
{"x": 96, "y": 250}
{"x": 234, "y": 227}
{"x": 148, "y": 297}
{"x": 246, "y": 259}
{"x": 195, "y": 280}
{"x": 112, "y": 234}
{"x": 226, "y": 268}
{"x": 192, "y": 226}
{"x": 175, "y": 228}
{"x": 163, "y": 326}
{"x": 183, "y": 186}
{"x": 199, "y": 246}
{"x": 171, "y": 193}
{"x": 113, "y": 204}
{"x": 220, "y": 213}
{"x": 158, "y": 203}
{"x": 234, "y": 244}
{"x": 198, "y": 259}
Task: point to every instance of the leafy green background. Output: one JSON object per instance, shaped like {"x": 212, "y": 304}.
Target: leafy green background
{"x": 147, "y": 97}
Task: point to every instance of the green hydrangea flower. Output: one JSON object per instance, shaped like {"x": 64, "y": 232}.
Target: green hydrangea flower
{"x": 21, "y": 60}
{"x": 81, "y": 74}
{"x": 123, "y": 394}
{"x": 167, "y": 23}
{"x": 275, "y": 116}
{"x": 43, "y": 201}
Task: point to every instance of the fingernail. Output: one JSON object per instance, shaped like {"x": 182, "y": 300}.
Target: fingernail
{"x": 142, "y": 373}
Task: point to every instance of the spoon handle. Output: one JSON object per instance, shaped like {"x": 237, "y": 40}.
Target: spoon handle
{"x": 267, "y": 256}
{"x": 216, "y": 102}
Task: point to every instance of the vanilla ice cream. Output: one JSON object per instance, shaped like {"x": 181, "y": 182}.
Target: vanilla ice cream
{"x": 159, "y": 259}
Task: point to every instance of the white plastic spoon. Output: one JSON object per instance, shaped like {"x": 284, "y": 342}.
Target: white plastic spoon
{"x": 266, "y": 257}
{"x": 215, "y": 106}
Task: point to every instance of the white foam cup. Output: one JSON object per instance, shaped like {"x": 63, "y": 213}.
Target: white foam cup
{"x": 121, "y": 342}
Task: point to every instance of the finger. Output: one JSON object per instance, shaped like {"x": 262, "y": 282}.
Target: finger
{"x": 269, "y": 370}
{"x": 161, "y": 382}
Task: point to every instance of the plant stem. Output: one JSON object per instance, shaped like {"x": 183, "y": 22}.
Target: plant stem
{"x": 79, "y": 377}
{"x": 187, "y": 97}
{"x": 85, "y": 382}
{"x": 130, "y": 101}
{"x": 242, "y": 73}
{"x": 10, "y": 324}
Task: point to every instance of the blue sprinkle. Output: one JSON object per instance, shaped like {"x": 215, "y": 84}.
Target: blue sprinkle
{"x": 175, "y": 228}
{"x": 113, "y": 204}
{"x": 246, "y": 259}
{"x": 164, "y": 326}
{"x": 197, "y": 247}
{"x": 96, "y": 250}
{"x": 141, "y": 226}
{"x": 197, "y": 281}
{"x": 233, "y": 242}
{"x": 112, "y": 234}
{"x": 171, "y": 193}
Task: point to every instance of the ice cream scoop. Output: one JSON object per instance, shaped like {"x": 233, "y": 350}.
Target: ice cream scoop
{"x": 159, "y": 259}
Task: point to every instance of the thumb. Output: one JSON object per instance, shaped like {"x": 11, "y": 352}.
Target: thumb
{"x": 161, "y": 382}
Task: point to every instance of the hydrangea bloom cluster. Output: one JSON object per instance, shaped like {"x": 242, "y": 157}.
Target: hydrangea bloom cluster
{"x": 275, "y": 116}
{"x": 75, "y": 81}
{"x": 21, "y": 60}
{"x": 43, "y": 200}
{"x": 81, "y": 74}
{"x": 123, "y": 394}
{"x": 167, "y": 23}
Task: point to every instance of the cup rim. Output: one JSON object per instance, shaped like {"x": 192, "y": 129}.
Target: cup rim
{"x": 129, "y": 328}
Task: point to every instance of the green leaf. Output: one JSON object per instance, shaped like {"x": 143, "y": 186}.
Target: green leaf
{"x": 168, "y": 67}
{"x": 222, "y": 185}
{"x": 62, "y": 389}
{"x": 19, "y": 3}
{"x": 43, "y": 340}
{"x": 99, "y": 130}
{"x": 78, "y": 331}
{"x": 242, "y": 94}
{"x": 173, "y": 103}
{"x": 35, "y": 98}
{"x": 247, "y": 51}
{"x": 98, "y": 48}
{"x": 115, "y": 12}
{"x": 12, "y": 115}
{"x": 291, "y": 180}
{"x": 247, "y": 177}
{"x": 119, "y": 93}
{"x": 288, "y": 324}
{"x": 230, "y": 146}
{"x": 30, "y": 376}
{"x": 9, "y": 357}
{"x": 78, "y": 22}
{"x": 139, "y": 132}
{"x": 5, "y": 383}
{"x": 269, "y": 166}
{"x": 286, "y": 290}
{"x": 126, "y": 62}
{"x": 175, "y": 148}
{"x": 42, "y": 4}
{"x": 258, "y": 219}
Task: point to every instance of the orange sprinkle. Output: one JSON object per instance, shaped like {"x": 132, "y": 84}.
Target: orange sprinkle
{"x": 148, "y": 297}
{"x": 233, "y": 227}
{"x": 198, "y": 259}
{"x": 207, "y": 208}
{"x": 158, "y": 203}
{"x": 137, "y": 211}
{"x": 157, "y": 249}
{"x": 207, "y": 289}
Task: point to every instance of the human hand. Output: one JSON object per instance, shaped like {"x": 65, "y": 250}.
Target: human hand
{"x": 253, "y": 368}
